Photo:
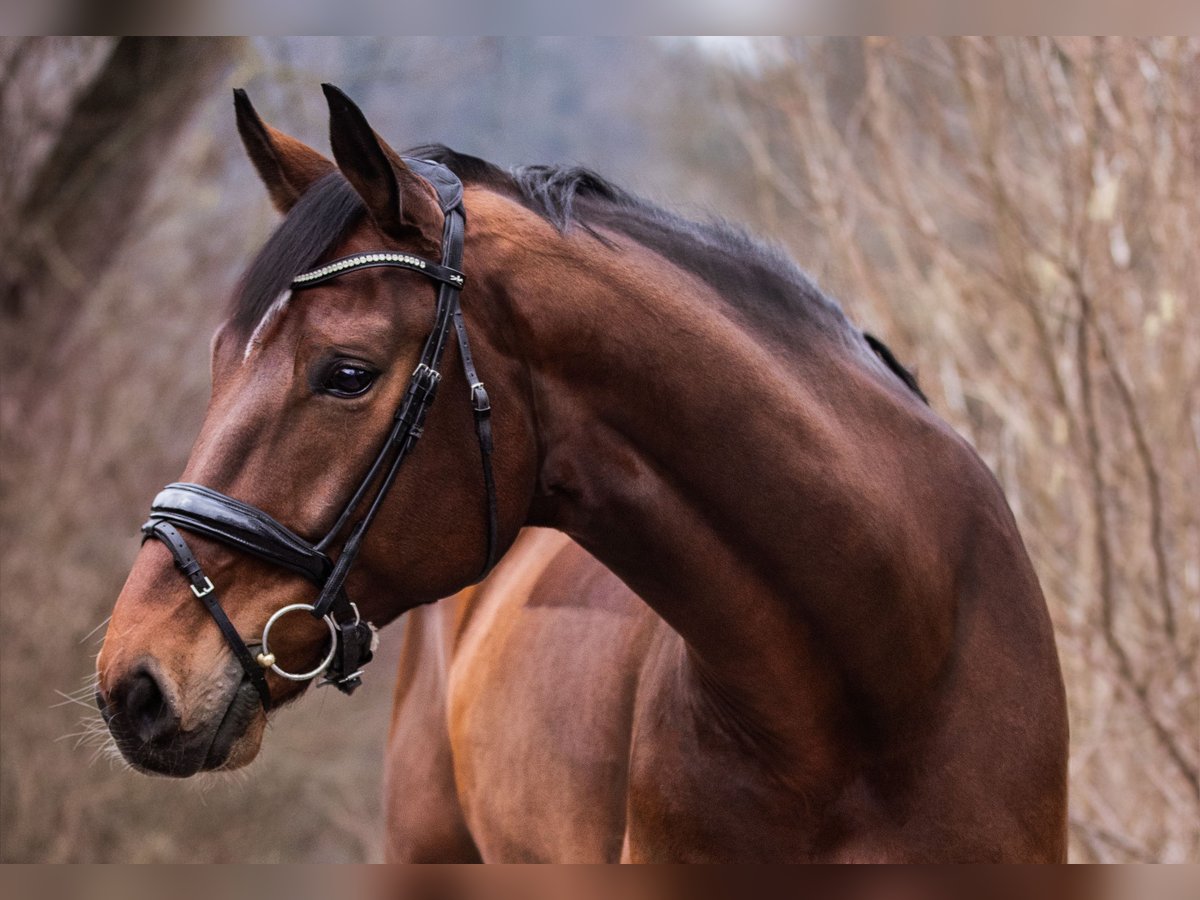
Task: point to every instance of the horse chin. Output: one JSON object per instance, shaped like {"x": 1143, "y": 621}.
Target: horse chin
{"x": 238, "y": 737}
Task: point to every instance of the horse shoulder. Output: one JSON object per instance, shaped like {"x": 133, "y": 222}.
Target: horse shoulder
{"x": 424, "y": 820}
{"x": 540, "y": 701}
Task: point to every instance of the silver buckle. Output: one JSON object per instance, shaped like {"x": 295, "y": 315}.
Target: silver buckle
{"x": 208, "y": 588}
{"x": 480, "y": 401}
{"x": 327, "y": 680}
{"x": 423, "y": 370}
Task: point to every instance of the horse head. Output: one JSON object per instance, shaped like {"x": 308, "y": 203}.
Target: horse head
{"x": 341, "y": 334}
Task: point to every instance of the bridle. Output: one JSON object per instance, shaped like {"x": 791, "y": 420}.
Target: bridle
{"x": 202, "y": 510}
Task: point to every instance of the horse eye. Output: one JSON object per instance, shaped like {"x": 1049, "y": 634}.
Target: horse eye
{"x": 348, "y": 381}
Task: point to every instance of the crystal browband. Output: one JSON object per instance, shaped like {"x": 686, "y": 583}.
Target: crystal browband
{"x": 371, "y": 260}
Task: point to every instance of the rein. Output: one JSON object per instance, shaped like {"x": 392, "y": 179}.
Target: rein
{"x": 204, "y": 511}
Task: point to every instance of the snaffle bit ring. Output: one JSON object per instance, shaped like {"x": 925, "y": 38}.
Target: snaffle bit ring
{"x": 266, "y": 659}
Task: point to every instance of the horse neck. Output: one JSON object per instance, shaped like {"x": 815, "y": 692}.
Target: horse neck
{"x": 735, "y": 485}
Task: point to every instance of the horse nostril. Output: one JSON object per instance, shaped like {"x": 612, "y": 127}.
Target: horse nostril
{"x": 147, "y": 711}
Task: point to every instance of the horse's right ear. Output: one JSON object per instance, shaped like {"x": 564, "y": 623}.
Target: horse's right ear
{"x": 286, "y": 166}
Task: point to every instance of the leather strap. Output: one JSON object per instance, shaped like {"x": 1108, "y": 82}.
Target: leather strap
{"x": 447, "y": 185}
{"x": 346, "y": 264}
{"x": 481, "y": 405}
{"x": 213, "y": 514}
{"x": 203, "y": 588}
{"x": 355, "y": 637}
{"x": 410, "y": 421}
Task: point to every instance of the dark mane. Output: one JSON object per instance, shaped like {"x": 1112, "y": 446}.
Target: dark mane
{"x": 760, "y": 280}
{"x": 762, "y": 285}
{"x": 326, "y": 212}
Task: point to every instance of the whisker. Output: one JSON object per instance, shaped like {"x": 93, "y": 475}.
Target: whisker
{"x": 107, "y": 619}
{"x": 82, "y": 694}
{"x": 74, "y": 734}
{"x": 93, "y": 739}
{"x": 67, "y": 699}
{"x": 223, "y": 780}
{"x": 93, "y": 731}
{"x": 115, "y": 759}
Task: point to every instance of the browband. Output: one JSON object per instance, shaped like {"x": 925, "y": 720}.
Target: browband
{"x": 444, "y": 274}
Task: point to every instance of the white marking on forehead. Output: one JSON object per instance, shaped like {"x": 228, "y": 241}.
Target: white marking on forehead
{"x": 274, "y": 311}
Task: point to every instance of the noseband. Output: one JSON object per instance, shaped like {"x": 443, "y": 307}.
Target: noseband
{"x": 204, "y": 511}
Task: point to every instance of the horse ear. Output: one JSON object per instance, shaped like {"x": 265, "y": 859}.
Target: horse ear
{"x": 399, "y": 200}
{"x": 286, "y": 166}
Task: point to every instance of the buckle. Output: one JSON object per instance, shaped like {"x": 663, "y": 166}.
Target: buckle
{"x": 342, "y": 681}
{"x": 347, "y": 685}
{"x": 422, "y": 373}
{"x": 479, "y": 398}
{"x": 356, "y": 648}
{"x": 206, "y": 590}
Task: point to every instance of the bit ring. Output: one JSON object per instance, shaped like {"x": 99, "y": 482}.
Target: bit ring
{"x": 269, "y": 658}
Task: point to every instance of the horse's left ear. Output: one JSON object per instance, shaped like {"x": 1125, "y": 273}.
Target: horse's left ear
{"x": 400, "y": 201}
{"x": 287, "y": 167}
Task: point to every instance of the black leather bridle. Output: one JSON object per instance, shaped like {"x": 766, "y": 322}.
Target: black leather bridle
{"x": 204, "y": 511}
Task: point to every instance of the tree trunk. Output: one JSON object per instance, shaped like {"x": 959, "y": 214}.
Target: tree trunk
{"x": 84, "y": 196}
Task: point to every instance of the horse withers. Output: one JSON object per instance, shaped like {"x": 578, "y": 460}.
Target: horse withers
{"x": 784, "y": 612}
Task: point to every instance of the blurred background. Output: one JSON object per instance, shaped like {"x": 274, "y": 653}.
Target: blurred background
{"x": 1019, "y": 219}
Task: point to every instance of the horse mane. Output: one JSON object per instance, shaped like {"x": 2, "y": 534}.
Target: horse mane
{"x": 763, "y": 286}
{"x": 756, "y": 277}
{"x": 323, "y": 215}
{"x": 884, "y": 352}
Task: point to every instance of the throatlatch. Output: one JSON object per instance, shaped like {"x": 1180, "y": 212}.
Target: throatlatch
{"x": 204, "y": 511}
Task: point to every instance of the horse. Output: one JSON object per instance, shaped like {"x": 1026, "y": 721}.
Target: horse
{"x": 755, "y": 599}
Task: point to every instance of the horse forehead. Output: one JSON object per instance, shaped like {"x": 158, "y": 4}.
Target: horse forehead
{"x": 362, "y": 305}
{"x": 359, "y": 312}
{"x": 266, "y": 323}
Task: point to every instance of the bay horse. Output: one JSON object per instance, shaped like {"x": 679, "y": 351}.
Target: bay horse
{"x": 768, "y": 606}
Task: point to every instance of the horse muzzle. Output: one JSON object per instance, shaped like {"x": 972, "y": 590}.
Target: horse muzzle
{"x": 144, "y": 716}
